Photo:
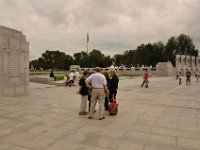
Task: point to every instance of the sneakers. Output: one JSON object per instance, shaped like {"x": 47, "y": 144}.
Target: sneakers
{"x": 99, "y": 118}
{"x": 102, "y": 118}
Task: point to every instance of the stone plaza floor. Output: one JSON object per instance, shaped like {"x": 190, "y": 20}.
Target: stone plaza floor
{"x": 165, "y": 116}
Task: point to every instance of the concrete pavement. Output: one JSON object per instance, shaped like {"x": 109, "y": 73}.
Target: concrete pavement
{"x": 164, "y": 116}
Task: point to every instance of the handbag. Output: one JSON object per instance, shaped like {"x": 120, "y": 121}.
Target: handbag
{"x": 113, "y": 107}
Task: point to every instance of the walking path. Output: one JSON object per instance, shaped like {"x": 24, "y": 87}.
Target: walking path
{"x": 164, "y": 116}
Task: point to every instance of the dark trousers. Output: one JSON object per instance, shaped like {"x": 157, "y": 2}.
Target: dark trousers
{"x": 143, "y": 83}
{"x": 112, "y": 93}
{"x": 106, "y": 103}
{"x": 71, "y": 82}
{"x": 89, "y": 100}
{"x": 179, "y": 81}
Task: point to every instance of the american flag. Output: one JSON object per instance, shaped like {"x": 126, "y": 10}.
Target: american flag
{"x": 87, "y": 37}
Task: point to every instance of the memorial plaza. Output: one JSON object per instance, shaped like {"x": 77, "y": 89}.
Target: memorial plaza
{"x": 165, "y": 116}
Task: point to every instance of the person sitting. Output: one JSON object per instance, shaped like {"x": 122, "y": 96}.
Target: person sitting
{"x": 66, "y": 80}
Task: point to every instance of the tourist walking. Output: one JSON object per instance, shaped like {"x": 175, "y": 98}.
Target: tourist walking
{"x": 188, "y": 77}
{"x": 83, "y": 91}
{"x": 113, "y": 84}
{"x": 145, "y": 79}
{"x": 97, "y": 82}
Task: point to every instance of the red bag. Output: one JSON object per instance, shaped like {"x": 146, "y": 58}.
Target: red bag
{"x": 113, "y": 107}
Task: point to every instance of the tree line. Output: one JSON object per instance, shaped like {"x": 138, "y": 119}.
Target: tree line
{"x": 145, "y": 54}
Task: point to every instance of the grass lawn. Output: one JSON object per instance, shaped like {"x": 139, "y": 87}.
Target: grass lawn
{"x": 58, "y": 78}
{"x": 56, "y": 73}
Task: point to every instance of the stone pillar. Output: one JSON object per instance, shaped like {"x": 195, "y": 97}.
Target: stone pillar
{"x": 193, "y": 63}
{"x": 182, "y": 62}
{"x": 198, "y": 63}
{"x": 187, "y": 63}
{"x": 14, "y": 62}
{"x": 178, "y": 62}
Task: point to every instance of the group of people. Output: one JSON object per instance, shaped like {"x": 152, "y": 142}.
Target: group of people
{"x": 188, "y": 74}
{"x": 97, "y": 86}
{"x": 72, "y": 79}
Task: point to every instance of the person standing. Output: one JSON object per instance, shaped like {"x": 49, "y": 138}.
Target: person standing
{"x": 197, "y": 75}
{"x": 76, "y": 77}
{"x": 145, "y": 79}
{"x": 113, "y": 84}
{"x": 188, "y": 77}
{"x": 108, "y": 85}
{"x": 97, "y": 82}
{"x": 180, "y": 77}
{"x": 71, "y": 78}
{"x": 52, "y": 76}
{"x": 83, "y": 91}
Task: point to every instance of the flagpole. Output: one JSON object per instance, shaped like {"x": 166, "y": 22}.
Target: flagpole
{"x": 87, "y": 47}
{"x": 87, "y": 40}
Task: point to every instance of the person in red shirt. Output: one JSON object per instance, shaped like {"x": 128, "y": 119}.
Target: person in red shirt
{"x": 145, "y": 79}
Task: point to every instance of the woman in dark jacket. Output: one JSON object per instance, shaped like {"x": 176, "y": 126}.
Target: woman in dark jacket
{"x": 113, "y": 84}
{"x": 108, "y": 84}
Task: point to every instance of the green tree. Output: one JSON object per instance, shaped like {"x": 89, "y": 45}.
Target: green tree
{"x": 81, "y": 59}
{"x": 95, "y": 58}
{"x": 129, "y": 58}
{"x": 53, "y": 60}
{"x": 171, "y": 50}
{"x": 181, "y": 45}
{"x": 118, "y": 59}
{"x": 157, "y": 54}
{"x": 68, "y": 62}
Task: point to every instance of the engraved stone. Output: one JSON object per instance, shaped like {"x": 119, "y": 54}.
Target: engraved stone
{"x": 14, "y": 53}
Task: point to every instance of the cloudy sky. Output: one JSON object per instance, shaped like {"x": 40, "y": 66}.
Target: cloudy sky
{"x": 113, "y": 25}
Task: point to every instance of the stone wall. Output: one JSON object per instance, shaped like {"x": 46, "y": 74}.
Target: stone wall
{"x": 164, "y": 69}
{"x": 14, "y": 62}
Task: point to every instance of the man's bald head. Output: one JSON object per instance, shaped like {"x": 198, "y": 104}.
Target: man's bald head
{"x": 98, "y": 69}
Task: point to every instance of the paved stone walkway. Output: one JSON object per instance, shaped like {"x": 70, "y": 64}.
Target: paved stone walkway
{"x": 165, "y": 116}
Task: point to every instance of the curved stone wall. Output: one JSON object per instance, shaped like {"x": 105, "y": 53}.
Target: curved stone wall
{"x": 14, "y": 62}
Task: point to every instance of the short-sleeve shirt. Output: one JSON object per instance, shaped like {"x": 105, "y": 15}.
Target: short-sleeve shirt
{"x": 146, "y": 75}
{"x": 84, "y": 89}
{"x": 97, "y": 80}
{"x": 188, "y": 74}
{"x": 71, "y": 76}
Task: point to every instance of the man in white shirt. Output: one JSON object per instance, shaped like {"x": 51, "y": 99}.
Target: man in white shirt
{"x": 71, "y": 78}
{"x": 98, "y": 84}
{"x": 77, "y": 78}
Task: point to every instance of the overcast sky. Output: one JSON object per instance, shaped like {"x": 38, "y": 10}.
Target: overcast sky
{"x": 114, "y": 25}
